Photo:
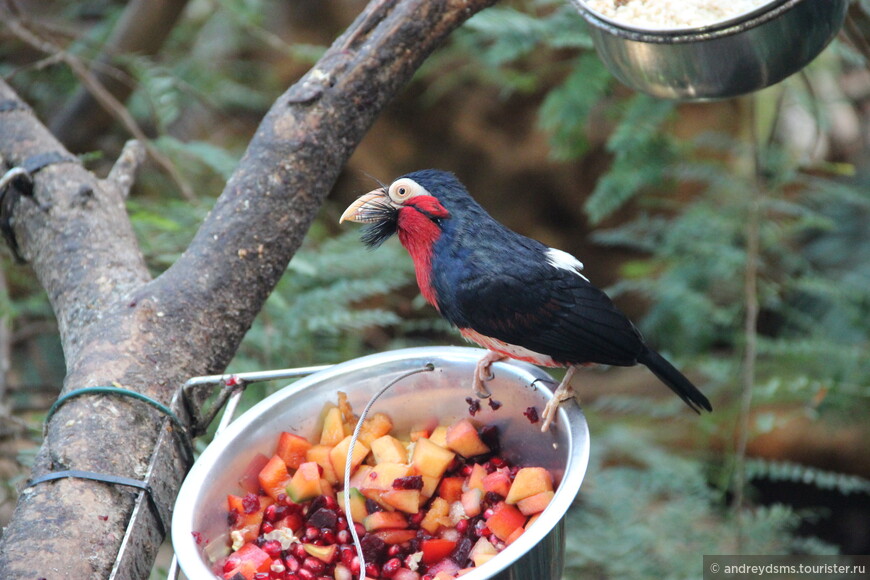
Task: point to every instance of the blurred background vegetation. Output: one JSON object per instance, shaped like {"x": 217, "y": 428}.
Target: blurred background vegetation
{"x": 734, "y": 232}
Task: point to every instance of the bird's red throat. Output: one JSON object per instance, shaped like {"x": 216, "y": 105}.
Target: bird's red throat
{"x": 418, "y": 235}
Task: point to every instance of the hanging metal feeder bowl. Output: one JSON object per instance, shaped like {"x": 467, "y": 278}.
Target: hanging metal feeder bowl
{"x": 732, "y": 57}
{"x": 199, "y": 528}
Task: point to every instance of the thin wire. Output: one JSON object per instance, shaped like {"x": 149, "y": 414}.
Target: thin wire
{"x": 347, "y": 467}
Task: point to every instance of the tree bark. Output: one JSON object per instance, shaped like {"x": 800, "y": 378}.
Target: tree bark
{"x": 120, "y": 326}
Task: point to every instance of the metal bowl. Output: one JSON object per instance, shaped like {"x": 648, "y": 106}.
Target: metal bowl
{"x": 199, "y": 528}
{"x": 730, "y": 58}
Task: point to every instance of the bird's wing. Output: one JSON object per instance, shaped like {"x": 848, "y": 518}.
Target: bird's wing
{"x": 549, "y": 310}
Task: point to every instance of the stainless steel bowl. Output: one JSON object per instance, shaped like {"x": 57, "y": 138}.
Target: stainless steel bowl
{"x": 731, "y": 58}
{"x": 415, "y": 401}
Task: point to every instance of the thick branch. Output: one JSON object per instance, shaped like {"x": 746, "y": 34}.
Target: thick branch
{"x": 117, "y": 326}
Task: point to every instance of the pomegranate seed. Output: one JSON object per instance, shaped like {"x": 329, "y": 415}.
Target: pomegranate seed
{"x": 341, "y": 523}
{"x": 488, "y": 513}
{"x": 251, "y": 503}
{"x": 482, "y": 532}
{"x": 499, "y": 461}
{"x": 291, "y": 563}
{"x": 372, "y": 570}
{"x": 390, "y": 567}
{"x": 299, "y": 551}
{"x": 266, "y": 528}
{"x": 273, "y": 548}
{"x": 328, "y": 536}
{"x": 261, "y": 576}
{"x": 360, "y": 529}
{"x": 343, "y": 537}
{"x": 462, "y": 526}
{"x": 313, "y": 564}
{"x": 229, "y": 566}
{"x": 466, "y": 470}
{"x": 415, "y": 519}
{"x": 305, "y": 574}
{"x": 292, "y": 577}
{"x": 394, "y": 550}
{"x": 311, "y": 533}
{"x": 342, "y": 572}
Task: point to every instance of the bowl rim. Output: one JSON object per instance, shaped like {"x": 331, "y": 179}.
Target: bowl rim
{"x": 570, "y": 417}
{"x": 739, "y": 23}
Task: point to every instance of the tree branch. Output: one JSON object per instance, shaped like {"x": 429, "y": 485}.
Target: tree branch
{"x": 117, "y": 325}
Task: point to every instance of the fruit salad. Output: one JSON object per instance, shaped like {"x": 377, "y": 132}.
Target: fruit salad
{"x": 426, "y": 505}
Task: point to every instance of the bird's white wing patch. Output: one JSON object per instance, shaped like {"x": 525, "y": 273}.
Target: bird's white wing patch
{"x": 564, "y": 260}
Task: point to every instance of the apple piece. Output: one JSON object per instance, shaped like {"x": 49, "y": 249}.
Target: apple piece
{"x": 504, "y": 520}
{"x": 471, "y": 501}
{"x": 332, "y": 430}
{"x": 529, "y": 481}
{"x": 249, "y": 480}
{"x": 450, "y": 488}
{"x": 439, "y": 436}
{"x": 292, "y": 449}
{"x": 325, "y": 554}
{"x": 305, "y": 484}
{"x": 482, "y": 552}
{"x": 358, "y": 509}
{"x": 338, "y": 455}
{"x": 436, "y": 549}
{"x": 388, "y": 449}
{"x": 437, "y": 516}
{"x": 375, "y": 426}
{"x": 462, "y": 438}
{"x": 475, "y": 479}
{"x": 247, "y": 561}
{"x": 431, "y": 459}
{"x": 405, "y": 500}
{"x": 274, "y": 477}
{"x": 319, "y": 454}
{"x": 535, "y": 504}
{"x": 497, "y": 482}
{"x": 381, "y": 520}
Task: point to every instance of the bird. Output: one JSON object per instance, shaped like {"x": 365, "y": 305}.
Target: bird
{"x": 513, "y": 295}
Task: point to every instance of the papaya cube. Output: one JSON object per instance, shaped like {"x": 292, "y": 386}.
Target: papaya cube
{"x": 527, "y": 482}
{"x": 497, "y": 482}
{"x": 375, "y": 426}
{"x": 439, "y": 436}
{"x": 292, "y": 449}
{"x": 358, "y": 509}
{"x": 535, "y": 504}
{"x": 274, "y": 477}
{"x": 431, "y": 459}
{"x": 430, "y": 484}
{"x": 437, "y": 516}
{"x": 504, "y": 520}
{"x": 405, "y": 500}
{"x": 319, "y": 454}
{"x": 246, "y": 562}
{"x": 380, "y": 520}
{"x": 382, "y": 475}
{"x": 475, "y": 479}
{"x": 333, "y": 427}
{"x": 305, "y": 484}
{"x": 388, "y": 449}
{"x": 450, "y": 488}
{"x": 462, "y": 438}
{"x": 338, "y": 455}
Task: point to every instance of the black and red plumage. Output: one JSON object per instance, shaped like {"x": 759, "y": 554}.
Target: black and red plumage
{"x": 511, "y": 294}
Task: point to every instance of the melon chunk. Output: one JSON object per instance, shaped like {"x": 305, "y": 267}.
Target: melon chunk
{"x": 431, "y": 459}
{"x": 305, "y": 484}
{"x": 381, "y": 520}
{"x": 529, "y": 481}
{"x": 274, "y": 477}
{"x": 292, "y": 449}
{"x": 388, "y": 449}
{"x": 497, "y": 482}
{"x": 358, "y": 509}
{"x": 405, "y": 500}
{"x": 333, "y": 427}
{"x": 505, "y": 519}
{"x": 462, "y": 438}
{"x": 338, "y": 455}
{"x": 319, "y": 454}
{"x": 535, "y": 503}
{"x": 375, "y": 426}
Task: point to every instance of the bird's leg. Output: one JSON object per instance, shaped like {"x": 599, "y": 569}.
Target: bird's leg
{"x": 483, "y": 372}
{"x": 563, "y": 393}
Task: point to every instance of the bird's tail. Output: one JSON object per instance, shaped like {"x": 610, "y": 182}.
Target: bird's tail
{"x": 674, "y": 379}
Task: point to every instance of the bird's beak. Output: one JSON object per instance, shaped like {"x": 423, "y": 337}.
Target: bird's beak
{"x": 367, "y": 208}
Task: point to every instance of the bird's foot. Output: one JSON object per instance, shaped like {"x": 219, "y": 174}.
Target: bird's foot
{"x": 483, "y": 372}
{"x": 564, "y": 392}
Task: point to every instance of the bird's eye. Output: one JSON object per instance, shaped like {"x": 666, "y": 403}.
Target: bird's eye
{"x": 404, "y": 189}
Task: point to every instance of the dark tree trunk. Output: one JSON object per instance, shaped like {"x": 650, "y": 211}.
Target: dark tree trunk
{"x": 120, "y": 326}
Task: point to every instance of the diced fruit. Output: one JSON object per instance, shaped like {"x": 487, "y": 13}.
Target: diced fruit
{"x": 357, "y": 504}
{"x": 430, "y": 484}
{"x": 249, "y": 480}
{"x": 274, "y": 477}
{"x": 431, "y": 459}
{"x": 444, "y": 569}
{"x": 247, "y": 561}
{"x": 471, "y": 501}
{"x": 437, "y": 516}
{"x": 450, "y": 488}
{"x": 333, "y": 427}
{"x": 381, "y": 520}
{"x": 406, "y": 500}
{"x": 396, "y": 536}
{"x": 462, "y": 438}
{"x": 319, "y": 454}
{"x": 325, "y": 554}
{"x": 305, "y": 484}
{"x": 419, "y": 434}
{"x": 246, "y": 515}
{"x": 388, "y": 449}
{"x": 375, "y": 426}
{"x": 504, "y": 520}
{"x": 497, "y": 482}
{"x": 381, "y": 477}
{"x": 436, "y": 549}
{"x": 475, "y": 480}
{"x": 535, "y": 503}
{"x": 529, "y": 481}
{"x": 439, "y": 436}
{"x": 482, "y": 551}
{"x": 338, "y": 456}
{"x": 292, "y": 449}
{"x": 514, "y": 535}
